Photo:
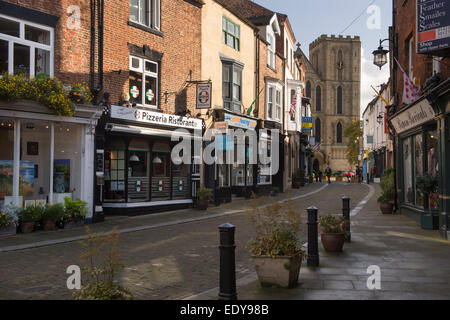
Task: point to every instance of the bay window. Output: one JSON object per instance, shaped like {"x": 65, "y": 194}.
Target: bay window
{"x": 143, "y": 82}
{"x": 273, "y": 102}
{"x": 25, "y": 48}
{"x": 232, "y": 86}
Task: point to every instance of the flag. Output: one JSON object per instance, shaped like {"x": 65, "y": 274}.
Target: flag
{"x": 293, "y": 105}
{"x": 249, "y": 111}
{"x": 411, "y": 92}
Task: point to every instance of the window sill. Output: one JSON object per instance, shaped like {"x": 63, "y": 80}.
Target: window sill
{"x": 145, "y": 28}
{"x": 272, "y": 68}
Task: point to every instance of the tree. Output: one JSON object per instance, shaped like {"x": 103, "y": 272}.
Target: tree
{"x": 353, "y": 132}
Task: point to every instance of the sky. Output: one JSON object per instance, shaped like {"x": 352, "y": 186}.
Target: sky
{"x": 311, "y": 18}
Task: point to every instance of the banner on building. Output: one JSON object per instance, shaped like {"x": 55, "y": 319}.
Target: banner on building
{"x": 307, "y": 123}
{"x": 433, "y": 25}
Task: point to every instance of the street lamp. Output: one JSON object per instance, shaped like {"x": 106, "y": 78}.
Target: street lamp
{"x": 380, "y": 117}
{"x": 380, "y": 55}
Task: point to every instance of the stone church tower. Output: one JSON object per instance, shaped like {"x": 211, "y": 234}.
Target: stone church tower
{"x": 333, "y": 81}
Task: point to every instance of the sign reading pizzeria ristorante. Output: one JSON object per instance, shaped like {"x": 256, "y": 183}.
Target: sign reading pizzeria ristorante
{"x": 146, "y": 116}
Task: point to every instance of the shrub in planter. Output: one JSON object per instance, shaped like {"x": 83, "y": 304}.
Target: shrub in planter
{"x": 277, "y": 252}
{"x": 203, "y": 197}
{"x": 387, "y": 191}
{"x": 333, "y": 230}
{"x": 29, "y": 216}
{"x": 274, "y": 191}
{"x": 74, "y": 213}
{"x": 52, "y": 215}
{"x": 8, "y": 220}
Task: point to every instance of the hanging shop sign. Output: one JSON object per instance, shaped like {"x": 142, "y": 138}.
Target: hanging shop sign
{"x": 204, "y": 95}
{"x": 240, "y": 122}
{"x": 307, "y": 123}
{"x": 433, "y": 25}
{"x": 151, "y": 117}
{"x": 416, "y": 115}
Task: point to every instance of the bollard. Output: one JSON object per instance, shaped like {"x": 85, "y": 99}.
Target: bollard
{"x": 227, "y": 247}
{"x": 313, "y": 244}
{"x": 346, "y": 214}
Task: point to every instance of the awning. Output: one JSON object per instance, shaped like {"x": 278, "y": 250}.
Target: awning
{"x": 111, "y": 127}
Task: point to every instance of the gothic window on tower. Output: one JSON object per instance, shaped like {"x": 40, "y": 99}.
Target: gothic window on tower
{"x": 318, "y": 129}
{"x": 318, "y": 99}
{"x": 339, "y": 133}
{"x": 339, "y": 100}
{"x": 308, "y": 89}
{"x": 340, "y": 64}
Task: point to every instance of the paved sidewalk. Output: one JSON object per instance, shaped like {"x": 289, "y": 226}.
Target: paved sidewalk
{"x": 414, "y": 264}
{"x": 128, "y": 224}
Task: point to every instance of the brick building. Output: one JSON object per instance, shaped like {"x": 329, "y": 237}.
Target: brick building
{"x": 420, "y": 125}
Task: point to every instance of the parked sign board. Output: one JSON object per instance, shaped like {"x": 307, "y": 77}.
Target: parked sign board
{"x": 433, "y": 25}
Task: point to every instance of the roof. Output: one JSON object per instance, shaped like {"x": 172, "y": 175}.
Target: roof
{"x": 247, "y": 8}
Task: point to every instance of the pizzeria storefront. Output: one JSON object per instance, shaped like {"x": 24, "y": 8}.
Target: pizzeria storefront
{"x": 138, "y": 173}
{"x": 423, "y": 177}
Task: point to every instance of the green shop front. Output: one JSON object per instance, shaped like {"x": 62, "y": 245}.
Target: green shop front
{"x": 136, "y": 173}
{"x": 423, "y": 161}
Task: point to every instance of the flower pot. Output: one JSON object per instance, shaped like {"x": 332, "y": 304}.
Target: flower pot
{"x": 202, "y": 204}
{"x": 7, "y": 231}
{"x": 49, "y": 225}
{"x": 333, "y": 242}
{"x": 278, "y": 271}
{"x": 27, "y": 227}
{"x": 386, "y": 208}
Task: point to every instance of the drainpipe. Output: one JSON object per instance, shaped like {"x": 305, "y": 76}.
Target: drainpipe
{"x": 92, "y": 57}
{"x": 393, "y": 95}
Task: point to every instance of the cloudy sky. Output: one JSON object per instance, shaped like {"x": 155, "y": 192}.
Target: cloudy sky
{"x": 369, "y": 19}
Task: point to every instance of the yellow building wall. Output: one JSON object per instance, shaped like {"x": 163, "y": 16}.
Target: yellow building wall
{"x": 212, "y": 45}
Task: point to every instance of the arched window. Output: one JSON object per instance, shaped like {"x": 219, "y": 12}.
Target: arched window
{"x": 339, "y": 100}
{"x": 318, "y": 129}
{"x": 308, "y": 89}
{"x": 318, "y": 98}
{"x": 340, "y": 64}
{"x": 339, "y": 133}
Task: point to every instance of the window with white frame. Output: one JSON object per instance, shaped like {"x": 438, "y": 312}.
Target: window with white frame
{"x": 25, "y": 47}
{"x": 273, "y": 102}
{"x": 271, "y": 51}
{"x": 143, "y": 82}
{"x": 146, "y": 12}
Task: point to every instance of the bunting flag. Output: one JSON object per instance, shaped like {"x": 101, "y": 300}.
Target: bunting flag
{"x": 411, "y": 92}
{"x": 293, "y": 105}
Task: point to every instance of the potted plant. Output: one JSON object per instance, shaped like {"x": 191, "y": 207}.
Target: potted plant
{"x": 429, "y": 186}
{"x": 29, "y": 216}
{"x": 387, "y": 192}
{"x": 52, "y": 215}
{"x": 203, "y": 197}
{"x": 8, "y": 220}
{"x": 276, "y": 251}
{"x": 332, "y": 232}
{"x": 298, "y": 178}
{"x": 74, "y": 212}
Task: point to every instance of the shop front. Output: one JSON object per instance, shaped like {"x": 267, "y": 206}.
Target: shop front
{"x": 422, "y": 165}
{"x": 140, "y": 175}
{"x": 233, "y": 173}
{"x": 45, "y": 158}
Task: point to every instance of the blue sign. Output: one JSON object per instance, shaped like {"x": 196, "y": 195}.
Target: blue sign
{"x": 225, "y": 142}
{"x": 307, "y": 123}
{"x": 433, "y": 25}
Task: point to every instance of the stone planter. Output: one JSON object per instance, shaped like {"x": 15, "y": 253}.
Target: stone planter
{"x": 27, "y": 227}
{"x": 49, "y": 225}
{"x": 386, "y": 208}
{"x": 74, "y": 224}
{"x": 333, "y": 242}
{"x": 279, "y": 271}
{"x": 202, "y": 204}
{"x": 429, "y": 221}
{"x": 7, "y": 231}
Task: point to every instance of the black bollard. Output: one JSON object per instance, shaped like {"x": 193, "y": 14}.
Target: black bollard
{"x": 313, "y": 244}
{"x": 346, "y": 214}
{"x": 227, "y": 289}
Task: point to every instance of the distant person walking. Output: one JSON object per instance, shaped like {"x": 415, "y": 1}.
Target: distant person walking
{"x": 328, "y": 173}
{"x": 320, "y": 176}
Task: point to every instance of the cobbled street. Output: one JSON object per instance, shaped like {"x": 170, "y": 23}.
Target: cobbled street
{"x": 167, "y": 262}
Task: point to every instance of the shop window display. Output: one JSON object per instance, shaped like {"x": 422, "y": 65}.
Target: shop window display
{"x": 418, "y": 168}
{"x": 407, "y": 171}
{"x": 161, "y": 166}
{"x": 6, "y": 159}
{"x": 138, "y": 170}
{"x": 115, "y": 170}
{"x": 433, "y": 168}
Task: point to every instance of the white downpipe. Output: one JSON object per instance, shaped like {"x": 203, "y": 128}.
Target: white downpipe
{"x": 52, "y": 155}
{"x": 16, "y": 161}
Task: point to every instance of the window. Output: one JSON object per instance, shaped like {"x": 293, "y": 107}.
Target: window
{"x": 339, "y": 100}
{"x": 115, "y": 154}
{"x": 340, "y": 64}
{"x": 410, "y": 57}
{"x": 25, "y": 48}
{"x": 318, "y": 98}
{"x": 293, "y": 96}
{"x": 146, "y": 12}
{"x": 318, "y": 130}
{"x": 143, "y": 82}
{"x": 232, "y": 86}
{"x": 273, "y": 104}
{"x": 271, "y": 51}
{"x": 407, "y": 171}
{"x": 418, "y": 168}
{"x": 231, "y": 33}
{"x": 339, "y": 133}
{"x": 308, "y": 89}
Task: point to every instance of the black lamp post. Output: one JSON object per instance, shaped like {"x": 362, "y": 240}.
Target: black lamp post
{"x": 380, "y": 55}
